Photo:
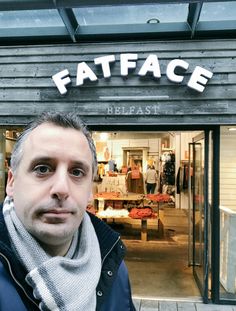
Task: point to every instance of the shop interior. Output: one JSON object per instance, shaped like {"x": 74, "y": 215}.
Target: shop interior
{"x": 154, "y": 226}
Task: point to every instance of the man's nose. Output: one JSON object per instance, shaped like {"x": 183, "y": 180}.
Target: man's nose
{"x": 60, "y": 186}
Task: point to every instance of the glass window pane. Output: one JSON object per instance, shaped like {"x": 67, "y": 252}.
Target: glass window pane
{"x": 126, "y": 14}
{"x": 228, "y": 212}
{"x": 34, "y": 18}
{"x": 218, "y": 11}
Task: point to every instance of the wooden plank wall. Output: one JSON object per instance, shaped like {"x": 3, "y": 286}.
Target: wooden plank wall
{"x": 26, "y": 87}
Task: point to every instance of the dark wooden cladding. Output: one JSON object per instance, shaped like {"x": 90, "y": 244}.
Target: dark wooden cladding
{"x": 26, "y": 87}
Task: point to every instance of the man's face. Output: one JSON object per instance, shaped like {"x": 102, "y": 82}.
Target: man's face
{"x": 53, "y": 183}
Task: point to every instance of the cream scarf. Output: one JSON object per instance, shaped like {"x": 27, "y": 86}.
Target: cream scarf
{"x": 60, "y": 283}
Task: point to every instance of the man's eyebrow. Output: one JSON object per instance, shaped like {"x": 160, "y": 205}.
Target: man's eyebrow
{"x": 44, "y": 159}
{"x": 41, "y": 159}
{"x": 82, "y": 164}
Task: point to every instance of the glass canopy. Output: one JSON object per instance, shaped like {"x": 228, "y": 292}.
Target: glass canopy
{"x": 131, "y": 14}
{"x": 33, "y": 18}
{"x": 220, "y": 11}
{"x": 79, "y": 20}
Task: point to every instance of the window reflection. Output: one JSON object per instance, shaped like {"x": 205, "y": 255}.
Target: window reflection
{"x": 218, "y": 11}
{"x": 228, "y": 213}
{"x": 31, "y": 18}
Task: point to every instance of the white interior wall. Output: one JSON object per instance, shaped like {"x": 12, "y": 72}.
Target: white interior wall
{"x": 116, "y": 142}
{"x": 151, "y": 144}
{"x": 184, "y": 140}
{"x": 117, "y": 152}
{"x": 228, "y": 168}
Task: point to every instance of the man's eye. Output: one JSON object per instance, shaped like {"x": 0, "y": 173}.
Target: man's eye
{"x": 77, "y": 172}
{"x": 42, "y": 169}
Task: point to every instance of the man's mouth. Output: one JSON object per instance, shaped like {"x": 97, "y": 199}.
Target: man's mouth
{"x": 57, "y": 211}
{"x": 55, "y": 215}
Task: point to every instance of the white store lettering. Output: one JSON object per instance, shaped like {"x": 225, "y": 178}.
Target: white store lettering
{"x": 197, "y": 81}
{"x": 139, "y": 110}
{"x": 151, "y": 64}
{"x": 170, "y": 70}
{"x": 105, "y": 61}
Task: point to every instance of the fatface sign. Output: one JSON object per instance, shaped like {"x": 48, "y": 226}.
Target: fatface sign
{"x": 151, "y": 65}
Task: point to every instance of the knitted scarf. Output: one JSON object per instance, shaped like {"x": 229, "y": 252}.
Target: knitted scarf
{"x": 60, "y": 283}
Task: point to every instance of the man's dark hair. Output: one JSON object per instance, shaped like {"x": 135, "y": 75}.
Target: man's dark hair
{"x": 65, "y": 120}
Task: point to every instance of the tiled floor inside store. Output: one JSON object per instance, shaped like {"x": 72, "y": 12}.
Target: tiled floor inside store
{"x": 160, "y": 270}
{"x": 160, "y": 277}
{"x": 159, "y": 267}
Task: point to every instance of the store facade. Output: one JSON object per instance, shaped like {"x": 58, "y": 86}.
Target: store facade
{"x": 151, "y": 86}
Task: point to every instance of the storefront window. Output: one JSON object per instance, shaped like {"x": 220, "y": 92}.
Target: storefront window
{"x": 228, "y": 213}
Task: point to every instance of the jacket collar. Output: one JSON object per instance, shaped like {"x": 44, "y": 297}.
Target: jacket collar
{"x": 10, "y": 260}
{"x": 107, "y": 237}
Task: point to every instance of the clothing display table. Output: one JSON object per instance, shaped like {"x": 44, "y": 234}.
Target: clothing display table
{"x": 144, "y": 230}
{"x": 113, "y": 183}
{"x": 112, "y": 197}
{"x": 121, "y": 213}
{"x": 158, "y": 198}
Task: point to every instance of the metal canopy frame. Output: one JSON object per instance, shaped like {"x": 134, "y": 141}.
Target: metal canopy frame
{"x": 52, "y": 4}
{"x": 192, "y": 28}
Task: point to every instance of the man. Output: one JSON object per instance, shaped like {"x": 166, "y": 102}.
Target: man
{"x": 53, "y": 254}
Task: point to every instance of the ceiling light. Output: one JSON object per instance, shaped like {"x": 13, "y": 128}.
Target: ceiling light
{"x": 153, "y": 21}
{"x": 103, "y": 136}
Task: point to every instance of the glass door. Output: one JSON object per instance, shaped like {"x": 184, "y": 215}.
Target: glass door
{"x": 199, "y": 210}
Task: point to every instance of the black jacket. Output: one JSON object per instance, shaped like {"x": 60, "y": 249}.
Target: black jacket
{"x": 113, "y": 290}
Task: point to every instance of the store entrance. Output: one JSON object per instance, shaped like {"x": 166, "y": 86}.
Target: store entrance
{"x": 165, "y": 244}
{"x": 159, "y": 244}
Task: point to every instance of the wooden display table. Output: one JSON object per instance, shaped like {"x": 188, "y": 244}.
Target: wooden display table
{"x": 144, "y": 231}
{"x": 101, "y": 198}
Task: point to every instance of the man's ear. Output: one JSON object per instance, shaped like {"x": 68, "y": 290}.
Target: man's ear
{"x": 10, "y": 184}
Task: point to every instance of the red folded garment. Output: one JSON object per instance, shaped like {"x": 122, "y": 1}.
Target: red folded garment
{"x": 159, "y": 197}
{"x": 139, "y": 213}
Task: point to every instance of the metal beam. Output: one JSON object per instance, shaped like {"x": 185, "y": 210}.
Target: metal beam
{"x": 93, "y": 33}
{"x": 144, "y": 31}
{"x": 218, "y": 29}
{"x": 163, "y": 31}
{"x": 14, "y": 5}
{"x": 193, "y": 15}
{"x": 216, "y": 26}
{"x": 69, "y": 19}
{"x": 33, "y": 35}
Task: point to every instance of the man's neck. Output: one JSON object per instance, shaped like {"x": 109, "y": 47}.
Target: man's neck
{"x": 55, "y": 250}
